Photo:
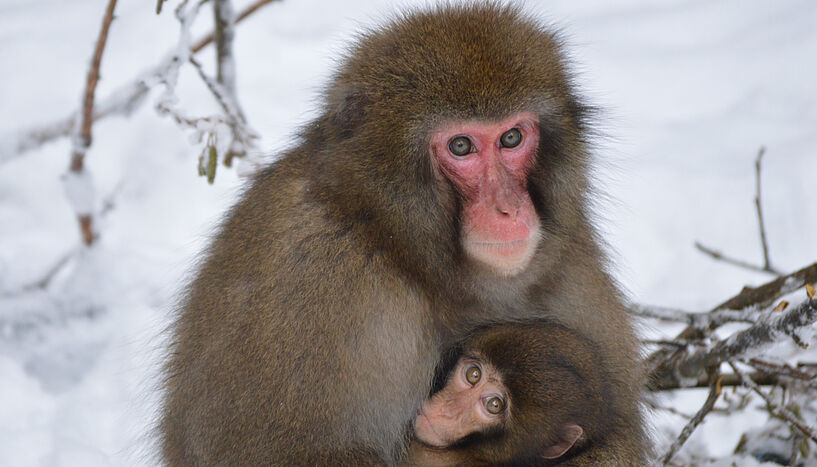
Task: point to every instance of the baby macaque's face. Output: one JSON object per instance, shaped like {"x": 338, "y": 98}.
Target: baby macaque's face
{"x": 473, "y": 400}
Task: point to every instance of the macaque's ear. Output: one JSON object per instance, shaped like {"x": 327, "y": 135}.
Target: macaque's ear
{"x": 570, "y": 434}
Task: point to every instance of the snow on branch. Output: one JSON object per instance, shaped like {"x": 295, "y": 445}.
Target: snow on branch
{"x": 751, "y": 341}
{"x": 242, "y": 137}
{"x": 690, "y": 359}
{"x": 745, "y": 307}
{"x": 78, "y": 182}
{"x": 708, "y": 405}
{"x": 775, "y": 408}
{"x": 122, "y": 102}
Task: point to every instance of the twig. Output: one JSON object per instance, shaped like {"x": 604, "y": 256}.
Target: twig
{"x": 714, "y": 393}
{"x": 762, "y": 378}
{"x": 765, "y": 295}
{"x": 751, "y": 339}
{"x": 761, "y": 225}
{"x": 717, "y": 255}
{"x": 226, "y": 76}
{"x": 749, "y": 300}
{"x": 695, "y": 320}
{"x": 656, "y": 406}
{"x": 123, "y": 101}
{"x": 209, "y": 38}
{"x": 224, "y": 21}
{"x": 782, "y": 369}
{"x": 108, "y": 205}
{"x": 775, "y": 409}
{"x": 234, "y": 114}
{"x": 78, "y": 196}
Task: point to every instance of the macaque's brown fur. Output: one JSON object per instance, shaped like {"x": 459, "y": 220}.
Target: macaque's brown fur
{"x": 553, "y": 378}
{"x": 311, "y": 332}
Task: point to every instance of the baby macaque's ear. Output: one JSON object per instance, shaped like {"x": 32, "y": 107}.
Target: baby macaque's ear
{"x": 568, "y": 437}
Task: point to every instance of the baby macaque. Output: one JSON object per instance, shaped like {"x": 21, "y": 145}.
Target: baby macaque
{"x": 533, "y": 393}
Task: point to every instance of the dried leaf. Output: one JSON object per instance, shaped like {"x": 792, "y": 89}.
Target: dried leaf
{"x": 810, "y": 291}
{"x": 202, "y": 170}
{"x": 781, "y": 306}
{"x": 212, "y": 163}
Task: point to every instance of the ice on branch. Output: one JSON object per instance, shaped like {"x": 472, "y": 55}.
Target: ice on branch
{"x": 79, "y": 191}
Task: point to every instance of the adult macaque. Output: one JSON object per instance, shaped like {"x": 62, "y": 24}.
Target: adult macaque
{"x": 519, "y": 394}
{"x": 443, "y": 186}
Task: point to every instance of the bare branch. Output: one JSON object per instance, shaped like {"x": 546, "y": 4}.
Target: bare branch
{"x": 695, "y": 320}
{"x": 83, "y": 141}
{"x": 717, "y": 255}
{"x": 77, "y": 182}
{"x": 656, "y": 406}
{"x": 225, "y": 67}
{"x": 209, "y": 38}
{"x": 751, "y": 340}
{"x": 782, "y": 369}
{"x": 761, "y": 225}
{"x": 43, "y": 282}
{"x": 123, "y": 101}
{"x": 765, "y": 295}
{"x": 709, "y": 404}
{"x": 775, "y": 409}
{"x": 728, "y": 379}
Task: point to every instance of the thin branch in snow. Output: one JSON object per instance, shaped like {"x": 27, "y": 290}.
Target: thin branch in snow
{"x": 243, "y": 133}
{"x": 709, "y": 404}
{"x": 108, "y": 205}
{"x": 250, "y": 9}
{"x": 123, "y": 101}
{"x": 782, "y": 369}
{"x": 750, "y": 341}
{"x": 695, "y": 320}
{"x": 748, "y": 303}
{"x": 663, "y": 313}
{"x": 762, "y": 378}
{"x": 767, "y": 266}
{"x": 774, "y": 408}
{"x": 666, "y": 408}
{"x": 79, "y": 187}
{"x": 718, "y": 256}
{"x": 226, "y": 75}
{"x": 224, "y": 20}
{"x": 765, "y": 295}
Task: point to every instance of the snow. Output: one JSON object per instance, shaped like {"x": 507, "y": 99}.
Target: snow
{"x": 79, "y": 191}
{"x": 689, "y": 90}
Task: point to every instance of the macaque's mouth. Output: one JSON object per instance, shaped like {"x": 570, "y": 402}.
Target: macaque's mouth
{"x": 505, "y": 245}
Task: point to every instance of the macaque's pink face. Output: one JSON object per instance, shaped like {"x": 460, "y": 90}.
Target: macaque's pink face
{"x": 489, "y": 164}
{"x": 473, "y": 399}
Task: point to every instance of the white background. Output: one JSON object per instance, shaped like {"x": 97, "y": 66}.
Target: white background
{"x": 689, "y": 90}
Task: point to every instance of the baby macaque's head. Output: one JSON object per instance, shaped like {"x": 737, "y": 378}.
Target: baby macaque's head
{"x": 517, "y": 391}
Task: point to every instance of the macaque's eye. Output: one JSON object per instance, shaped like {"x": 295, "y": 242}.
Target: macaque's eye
{"x": 511, "y": 138}
{"x": 495, "y": 405}
{"x": 473, "y": 374}
{"x": 460, "y": 146}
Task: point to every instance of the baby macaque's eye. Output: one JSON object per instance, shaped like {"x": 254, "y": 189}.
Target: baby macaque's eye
{"x": 473, "y": 374}
{"x": 495, "y": 405}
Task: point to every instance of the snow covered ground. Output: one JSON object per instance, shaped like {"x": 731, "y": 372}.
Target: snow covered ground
{"x": 690, "y": 90}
